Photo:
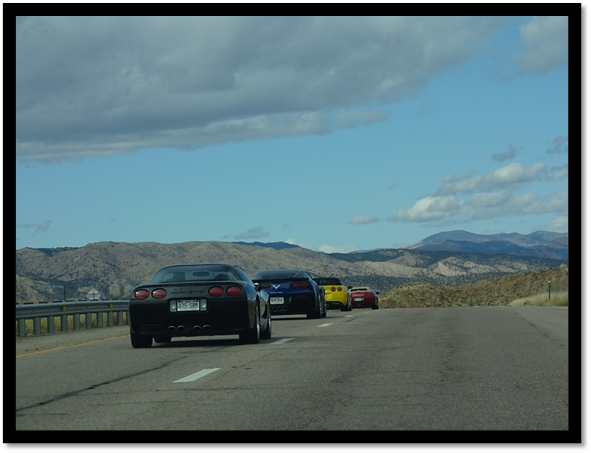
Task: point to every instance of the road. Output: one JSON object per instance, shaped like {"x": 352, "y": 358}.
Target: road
{"x": 464, "y": 368}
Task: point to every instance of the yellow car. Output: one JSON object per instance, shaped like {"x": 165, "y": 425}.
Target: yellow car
{"x": 336, "y": 294}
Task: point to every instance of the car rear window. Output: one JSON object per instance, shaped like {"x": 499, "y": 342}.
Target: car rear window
{"x": 279, "y": 274}
{"x": 178, "y": 274}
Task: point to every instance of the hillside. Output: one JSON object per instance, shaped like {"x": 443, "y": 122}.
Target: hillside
{"x": 498, "y": 291}
{"x": 114, "y": 268}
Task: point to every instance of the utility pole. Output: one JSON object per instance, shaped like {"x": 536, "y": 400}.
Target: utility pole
{"x": 549, "y": 284}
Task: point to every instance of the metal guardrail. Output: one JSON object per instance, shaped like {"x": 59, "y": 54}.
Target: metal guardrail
{"x": 61, "y": 309}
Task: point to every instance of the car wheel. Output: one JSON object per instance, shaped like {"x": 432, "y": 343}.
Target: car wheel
{"x": 252, "y": 335}
{"x": 316, "y": 313}
{"x": 266, "y": 334}
{"x": 323, "y": 310}
{"x": 140, "y": 341}
{"x": 162, "y": 339}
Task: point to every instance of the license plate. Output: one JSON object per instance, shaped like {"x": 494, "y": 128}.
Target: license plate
{"x": 188, "y": 305}
{"x": 358, "y": 299}
{"x": 276, "y": 300}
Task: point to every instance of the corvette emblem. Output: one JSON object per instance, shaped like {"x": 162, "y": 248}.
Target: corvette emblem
{"x": 275, "y": 286}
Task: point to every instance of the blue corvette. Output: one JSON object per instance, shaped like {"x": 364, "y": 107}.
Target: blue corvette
{"x": 292, "y": 291}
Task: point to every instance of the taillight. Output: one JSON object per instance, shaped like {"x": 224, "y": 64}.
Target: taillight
{"x": 339, "y": 289}
{"x": 234, "y": 291}
{"x": 333, "y": 289}
{"x": 216, "y": 291}
{"x": 299, "y": 285}
{"x": 142, "y": 294}
{"x": 159, "y": 293}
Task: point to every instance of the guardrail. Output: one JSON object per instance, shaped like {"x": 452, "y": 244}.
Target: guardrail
{"x": 63, "y": 310}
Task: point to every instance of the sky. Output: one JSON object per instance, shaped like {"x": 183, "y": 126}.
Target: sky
{"x": 333, "y": 133}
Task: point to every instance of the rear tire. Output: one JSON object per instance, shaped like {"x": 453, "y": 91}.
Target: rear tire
{"x": 266, "y": 334}
{"x": 140, "y": 341}
{"x": 316, "y": 313}
{"x": 252, "y": 336}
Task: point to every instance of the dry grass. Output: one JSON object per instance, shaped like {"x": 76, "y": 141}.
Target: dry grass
{"x": 559, "y": 299}
{"x": 529, "y": 288}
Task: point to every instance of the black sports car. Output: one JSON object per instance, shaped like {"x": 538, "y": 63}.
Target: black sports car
{"x": 292, "y": 291}
{"x": 198, "y": 299}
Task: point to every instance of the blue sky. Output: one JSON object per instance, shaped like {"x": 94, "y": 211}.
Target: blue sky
{"x": 333, "y": 133}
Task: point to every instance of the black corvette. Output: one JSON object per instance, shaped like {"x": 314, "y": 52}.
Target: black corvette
{"x": 292, "y": 291}
{"x": 198, "y": 299}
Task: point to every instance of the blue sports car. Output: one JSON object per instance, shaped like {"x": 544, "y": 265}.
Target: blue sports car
{"x": 292, "y": 291}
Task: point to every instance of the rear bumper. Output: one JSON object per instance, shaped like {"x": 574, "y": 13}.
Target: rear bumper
{"x": 366, "y": 302}
{"x": 226, "y": 318}
{"x": 294, "y": 305}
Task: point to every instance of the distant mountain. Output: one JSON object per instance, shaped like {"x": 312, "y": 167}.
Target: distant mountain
{"x": 542, "y": 244}
{"x": 115, "y": 268}
{"x": 273, "y": 245}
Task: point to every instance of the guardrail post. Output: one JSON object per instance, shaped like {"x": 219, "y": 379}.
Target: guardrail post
{"x": 50, "y": 324}
{"x": 88, "y": 318}
{"x": 64, "y": 323}
{"x": 77, "y": 321}
{"x": 99, "y": 319}
{"x": 119, "y": 318}
{"x": 22, "y": 331}
{"x": 110, "y": 319}
{"x": 37, "y": 326}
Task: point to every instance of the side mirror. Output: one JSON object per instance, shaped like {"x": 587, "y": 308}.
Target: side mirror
{"x": 257, "y": 286}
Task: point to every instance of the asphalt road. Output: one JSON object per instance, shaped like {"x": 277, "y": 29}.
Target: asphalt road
{"x": 423, "y": 369}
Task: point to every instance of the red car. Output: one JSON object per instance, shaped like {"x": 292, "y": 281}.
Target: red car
{"x": 364, "y": 298}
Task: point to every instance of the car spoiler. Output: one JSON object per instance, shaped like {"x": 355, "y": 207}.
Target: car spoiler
{"x": 262, "y": 284}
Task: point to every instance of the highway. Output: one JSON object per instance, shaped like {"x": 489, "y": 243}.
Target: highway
{"x": 423, "y": 369}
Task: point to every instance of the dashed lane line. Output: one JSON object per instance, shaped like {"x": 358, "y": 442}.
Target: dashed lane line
{"x": 198, "y": 375}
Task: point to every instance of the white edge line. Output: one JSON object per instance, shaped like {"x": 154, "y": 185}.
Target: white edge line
{"x": 198, "y": 375}
{"x": 324, "y": 325}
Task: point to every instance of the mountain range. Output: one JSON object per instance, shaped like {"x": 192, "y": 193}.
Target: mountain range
{"x": 541, "y": 243}
{"x": 115, "y": 268}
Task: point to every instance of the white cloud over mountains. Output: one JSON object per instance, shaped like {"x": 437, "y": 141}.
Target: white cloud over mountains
{"x": 485, "y": 197}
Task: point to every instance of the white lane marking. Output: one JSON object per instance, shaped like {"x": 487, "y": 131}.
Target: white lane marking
{"x": 198, "y": 375}
{"x": 283, "y": 340}
{"x": 324, "y": 325}
{"x": 349, "y": 316}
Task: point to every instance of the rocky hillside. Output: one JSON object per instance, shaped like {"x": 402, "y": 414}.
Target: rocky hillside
{"x": 499, "y": 291}
{"x": 114, "y": 268}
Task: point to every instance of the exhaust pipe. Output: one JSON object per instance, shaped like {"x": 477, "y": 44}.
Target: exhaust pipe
{"x": 206, "y": 329}
{"x": 180, "y": 329}
{"x": 197, "y": 329}
{"x": 171, "y": 329}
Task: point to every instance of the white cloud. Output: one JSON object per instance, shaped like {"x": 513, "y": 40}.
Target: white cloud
{"x": 253, "y": 233}
{"x": 546, "y": 43}
{"x": 559, "y": 145}
{"x": 512, "y": 175}
{"x": 363, "y": 219}
{"x": 119, "y": 84}
{"x": 559, "y": 225}
{"x": 39, "y": 227}
{"x": 510, "y": 152}
{"x": 486, "y": 197}
{"x": 428, "y": 209}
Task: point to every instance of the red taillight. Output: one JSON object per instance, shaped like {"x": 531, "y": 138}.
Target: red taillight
{"x": 234, "y": 291}
{"x": 216, "y": 291}
{"x": 333, "y": 289}
{"x": 159, "y": 293}
{"x": 142, "y": 294}
{"x": 299, "y": 285}
{"x": 339, "y": 289}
